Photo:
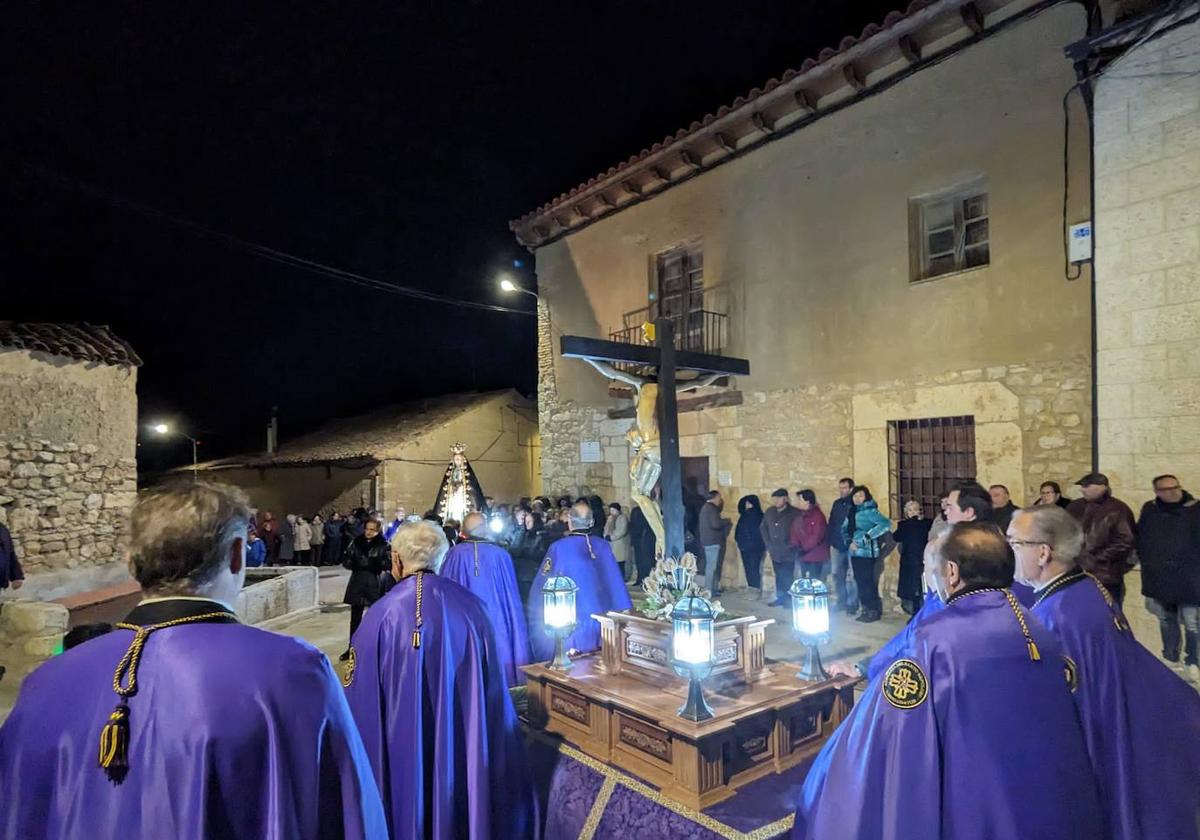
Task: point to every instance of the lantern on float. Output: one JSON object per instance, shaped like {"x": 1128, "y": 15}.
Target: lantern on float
{"x": 558, "y": 613}
{"x": 692, "y": 651}
{"x": 810, "y": 621}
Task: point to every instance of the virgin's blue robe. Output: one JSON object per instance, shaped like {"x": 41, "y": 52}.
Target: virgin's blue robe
{"x": 486, "y": 569}
{"x": 437, "y": 720}
{"x": 1141, "y": 721}
{"x": 588, "y": 561}
{"x": 235, "y": 732}
{"x": 994, "y": 750}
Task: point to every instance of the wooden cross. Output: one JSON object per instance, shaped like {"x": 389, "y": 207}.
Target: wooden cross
{"x": 667, "y": 362}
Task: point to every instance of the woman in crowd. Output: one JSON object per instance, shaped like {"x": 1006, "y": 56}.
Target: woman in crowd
{"x": 318, "y": 539}
{"x": 940, "y": 523}
{"x": 808, "y": 536}
{"x": 302, "y": 541}
{"x": 749, "y": 539}
{"x": 366, "y": 557}
{"x": 912, "y": 534}
{"x": 1051, "y": 494}
{"x": 616, "y": 531}
{"x": 865, "y": 526}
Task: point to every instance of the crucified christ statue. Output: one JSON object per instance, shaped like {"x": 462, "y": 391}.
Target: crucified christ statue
{"x": 646, "y": 464}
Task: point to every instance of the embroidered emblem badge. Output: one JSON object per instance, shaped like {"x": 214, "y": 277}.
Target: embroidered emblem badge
{"x": 1072, "y": 672}
{"x": 348, "y": 674}
{"x": 905, "y": 685}
{"x": 549, "y": 565}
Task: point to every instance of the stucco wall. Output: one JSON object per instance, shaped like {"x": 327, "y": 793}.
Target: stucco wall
{"x": 68, "y": 476}
{"x": 303, "y": 490}
{"x": 806, "y": 246}
{"x": 1148, "y": 264}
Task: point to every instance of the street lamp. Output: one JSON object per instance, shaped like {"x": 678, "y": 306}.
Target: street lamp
{"x": 164, "y": 429}
{"x": 810, "y": 620}
{"x": 507, "y": 285}
{"x": 558, "y": 610}
{"x": 692, "y": 652}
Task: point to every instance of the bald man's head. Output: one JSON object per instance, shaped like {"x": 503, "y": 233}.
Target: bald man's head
{"x": 581, "y": 516}
{"x": 475, "y": 525}
{"x": 981, "y": 553}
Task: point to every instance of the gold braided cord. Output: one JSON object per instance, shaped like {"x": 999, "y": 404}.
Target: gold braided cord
{"x": 1118, "y": 616}
{"x": 475, "y": 545}
{"x": 416, "y": 636}
{"x": 1030, "y": 644}
{"x": 1062, "y": 581}
{"x": 698, "y": 817}
{"x": 133, "y": 655}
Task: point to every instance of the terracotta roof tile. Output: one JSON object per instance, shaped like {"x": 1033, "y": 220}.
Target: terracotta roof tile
{"x": 826, "y": 54}
{"x": 85, "y": 342}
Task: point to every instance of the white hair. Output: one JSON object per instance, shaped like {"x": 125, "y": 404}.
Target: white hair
{"x": 578, "y": 519}
{"x": 1057, "y": 529}
{"x": 420, "y": 545}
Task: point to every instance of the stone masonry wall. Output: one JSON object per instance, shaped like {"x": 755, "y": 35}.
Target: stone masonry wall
{"x": 66, "y": 507}
{"x": 1147, "y": 240}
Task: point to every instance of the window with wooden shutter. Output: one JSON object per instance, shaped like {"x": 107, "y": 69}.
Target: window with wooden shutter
{"x": 950, "y": 231}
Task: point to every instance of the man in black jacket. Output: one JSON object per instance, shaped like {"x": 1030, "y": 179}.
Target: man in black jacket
{"x": 839, "y": 548}
{"x": 1168, "y": 544}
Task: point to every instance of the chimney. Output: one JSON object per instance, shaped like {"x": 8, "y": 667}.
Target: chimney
{"x": 273, "y": 431}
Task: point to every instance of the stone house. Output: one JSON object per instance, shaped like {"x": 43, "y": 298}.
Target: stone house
{"x": 394, "y": 456}
{"x": 881, "y": 233}
{"x": 1147, "y": 247}
{"x": 68, "y": 438}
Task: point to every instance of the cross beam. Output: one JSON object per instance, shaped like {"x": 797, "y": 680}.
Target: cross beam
{"x": 667, "y": 361}
{"x": 579, "y": 347}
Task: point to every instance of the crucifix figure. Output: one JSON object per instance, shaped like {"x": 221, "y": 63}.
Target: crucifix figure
{"x": 655, "y": 435}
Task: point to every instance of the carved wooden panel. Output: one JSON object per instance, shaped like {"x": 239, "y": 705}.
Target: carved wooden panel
{"x": 569, "y": 705}
{"x": 644, "y": 737}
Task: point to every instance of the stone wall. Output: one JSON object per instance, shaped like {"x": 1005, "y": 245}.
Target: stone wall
{"x": 68, "y": 436}
{"x": 1031, "y": 426}
{"x": 1147, "y": 239}
{"x": 66, "y": 507}
{"x": 30, "y": 632}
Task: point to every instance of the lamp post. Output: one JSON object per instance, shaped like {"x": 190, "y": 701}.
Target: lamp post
{"x": 692, "y": 652}
{"x": 558, "y": 611}
{"x": 164, "y": 429}
{"x": 810, "y": 620}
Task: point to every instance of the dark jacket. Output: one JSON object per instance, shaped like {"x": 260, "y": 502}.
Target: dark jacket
{"x": 1168, "y": 544}
{"x": 10, "y": 566}
{"x": 641, "y": 537}
{"x": 1109, "y": 537}
{"x": 748, "y": 534}
{"x": 366, "y": 560}
{"x": 776, "y": 531}
{"x": 1003, "y": 516}
{"x": 835, "y": 534}
{"x": 714, "y": 528}
{"x": 912, "y": 535}
{"x": 808, "y": 535}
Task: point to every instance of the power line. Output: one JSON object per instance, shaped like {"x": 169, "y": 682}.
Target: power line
{"x": 258, "y": 250}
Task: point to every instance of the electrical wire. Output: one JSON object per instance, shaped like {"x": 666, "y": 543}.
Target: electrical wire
{"x": 258, "y": 250}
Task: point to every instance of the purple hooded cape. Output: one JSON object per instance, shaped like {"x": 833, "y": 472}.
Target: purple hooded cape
{"x": 436, "y": 720}
{"x": 235, "y": 732}
{"x": 589, "y": 562}
{"x": 486, "y": 569}
{"x": 1141, "y": 721}
{"x": 990, "y": 747}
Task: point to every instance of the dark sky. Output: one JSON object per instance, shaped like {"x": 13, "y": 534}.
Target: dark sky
{"x": 394, "y": 140}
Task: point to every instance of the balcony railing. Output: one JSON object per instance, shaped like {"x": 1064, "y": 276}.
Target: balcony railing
{"x": 698, "y": 331}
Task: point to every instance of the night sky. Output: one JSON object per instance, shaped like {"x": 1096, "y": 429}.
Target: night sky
{"x": 392, "y": 140}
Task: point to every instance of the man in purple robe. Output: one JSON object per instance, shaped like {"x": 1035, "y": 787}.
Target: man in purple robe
{"x": 426, "y": 687}
{"x": 1141, "y": 721}
{"x": 218, "y": 730}
{"x": 588, "y": 561}
{"x": 487, "y": 570}
{"x": 970, "y": 734}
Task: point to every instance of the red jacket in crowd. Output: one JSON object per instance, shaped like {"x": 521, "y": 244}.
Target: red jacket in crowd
{"x": 808, "y": 535}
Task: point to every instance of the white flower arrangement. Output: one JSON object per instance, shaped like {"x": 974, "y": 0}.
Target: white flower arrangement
{"x": 670, "y": 580}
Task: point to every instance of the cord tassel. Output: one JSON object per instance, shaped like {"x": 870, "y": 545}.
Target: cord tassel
{"x": 114, "y": 742}
{"x": 416, "y": 639}
{"x": 1034, "y": 653}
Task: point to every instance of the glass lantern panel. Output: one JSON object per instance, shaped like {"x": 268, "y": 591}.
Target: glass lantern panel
{"x": 810, "y": 615}
{"x": 560, "y": 608}
{"x": 693, "y": 640}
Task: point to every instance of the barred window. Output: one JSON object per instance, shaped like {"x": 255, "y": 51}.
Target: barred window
{"x": 926, "y": 457}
